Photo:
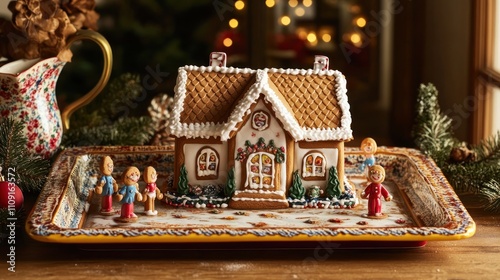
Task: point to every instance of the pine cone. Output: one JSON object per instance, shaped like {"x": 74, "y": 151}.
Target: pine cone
{"x": 81, "y": 13}
{"x": 462, "y": 154}
{"x": 35, "y": 18}
{"x": 14, "y": 44}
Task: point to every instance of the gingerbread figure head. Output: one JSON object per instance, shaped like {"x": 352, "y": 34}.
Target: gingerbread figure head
{"x": 150, "y": 175}
{"x": 369, "y": 146}
{"x": 131, "y": 175}
{"x": 107, "y": 166}
{"x": 376, "y": 174}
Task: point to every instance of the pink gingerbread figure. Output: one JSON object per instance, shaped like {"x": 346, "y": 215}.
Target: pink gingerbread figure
{"x": 151, "y": 191}
{"x": 374, "y": 191}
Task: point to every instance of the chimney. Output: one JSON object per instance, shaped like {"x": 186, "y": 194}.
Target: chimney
{"x": 321, "y": 62}
{"x": 218, "y": 59}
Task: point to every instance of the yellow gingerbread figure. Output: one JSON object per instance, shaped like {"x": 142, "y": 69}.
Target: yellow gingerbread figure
{"x": 128, "y": 194}
{"x": 151, "y": 191}
{"x": 106, "y": 186}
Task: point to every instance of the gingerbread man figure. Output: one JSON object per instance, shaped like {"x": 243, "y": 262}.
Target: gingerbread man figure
{"x": 106, "y": 186}
{"x": 374, "y": 192}
{"x": 151, "y": 191}
{"x": 369, "y": 147}
{"x": 128, "y": 193}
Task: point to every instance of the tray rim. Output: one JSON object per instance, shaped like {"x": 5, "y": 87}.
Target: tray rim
{"x": 343, "y": 234}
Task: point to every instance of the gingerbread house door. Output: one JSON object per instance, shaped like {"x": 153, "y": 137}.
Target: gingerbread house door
{"x": 261, "y": 172}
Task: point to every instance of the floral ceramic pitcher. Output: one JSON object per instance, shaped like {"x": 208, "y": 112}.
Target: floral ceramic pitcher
{"x": 27, "y": 94}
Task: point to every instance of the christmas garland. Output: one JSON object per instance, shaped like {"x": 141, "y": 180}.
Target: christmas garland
{"x": 261, "y": 146}
{"x": 474, "y": 169}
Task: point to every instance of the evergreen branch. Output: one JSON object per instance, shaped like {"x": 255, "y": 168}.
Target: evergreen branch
{"x": 108, "y": 119}
{"x": 489, "y": 149}
{"x": 31, "y": 170}
{"x": 433, "y": 135}
{"x": 128, "y": 131}
{"x": 491, "y": 194}
{"x": 433, "y": 129}
{"x": 13, "y": 144}
{"x": 470, "y": 177}
{"x": 121, "y": 96}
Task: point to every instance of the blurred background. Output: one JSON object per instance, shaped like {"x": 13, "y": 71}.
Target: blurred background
{"x": 385, "y": 48}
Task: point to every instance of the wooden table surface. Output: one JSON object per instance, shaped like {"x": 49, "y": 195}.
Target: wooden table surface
{"x": 473, "y": 258}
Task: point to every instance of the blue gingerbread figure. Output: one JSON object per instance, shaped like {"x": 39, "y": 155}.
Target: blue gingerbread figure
{"x": 128, "y": 194}
{"x": 369, "y": 147}
{"x": 106, "y": 186}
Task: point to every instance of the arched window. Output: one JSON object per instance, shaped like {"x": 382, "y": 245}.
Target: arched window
{"x": 260, "y": 170}
{"x": 314, "y": 166}
{"x": 207, "y": 164}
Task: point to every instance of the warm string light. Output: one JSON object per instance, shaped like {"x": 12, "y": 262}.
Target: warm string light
{"x": 312, "y": 39}
{"x": 239, "y": 5}
{"x": 302, "y": 33}
{"x": 326, "y": 37}
{"x": 285, "y": 20}
{"x": 233, "y": 23}
{"x": 300, "y": 11}
{"x": 356, "y": 39}
{"x": 270, "y": 3}
{"x": 361, "y": 22}
{"x": 227, "y": 42}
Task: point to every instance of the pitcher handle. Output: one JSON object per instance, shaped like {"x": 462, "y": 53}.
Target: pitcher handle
{"x": 106, "y": 72}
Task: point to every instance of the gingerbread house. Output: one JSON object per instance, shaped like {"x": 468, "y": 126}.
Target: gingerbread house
{"x": 255, "y": 128}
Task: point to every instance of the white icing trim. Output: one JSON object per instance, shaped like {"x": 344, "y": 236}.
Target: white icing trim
{"x": 261, "y": 85}
{"x": 258, "y": 199}
{"x": 260, "y": 192}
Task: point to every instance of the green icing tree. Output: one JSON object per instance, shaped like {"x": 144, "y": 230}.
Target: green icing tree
{"x": 183, "y": 187}
{"x": 333, "y": 186}
{"x": 231, "y": 185}
{"x": 297, "y": 190}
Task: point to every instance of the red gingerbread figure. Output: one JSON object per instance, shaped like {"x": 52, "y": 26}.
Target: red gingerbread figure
{"x": 374, "y": 192}
{"x": 151, "y": 191}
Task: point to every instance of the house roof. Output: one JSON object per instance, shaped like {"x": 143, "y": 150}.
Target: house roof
{"x": 209, "y": 102}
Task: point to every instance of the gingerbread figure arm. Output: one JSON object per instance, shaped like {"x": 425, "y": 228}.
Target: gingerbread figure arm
{"x": 120, "y": 193}
{"x": 138, "y": 196}
{"x": 99, "y": 185}
{"x": 159, "y": 195}
{"x": 367, "y": 190}
{"x": 115, "y": 186}
{"x": 386, "y": 194}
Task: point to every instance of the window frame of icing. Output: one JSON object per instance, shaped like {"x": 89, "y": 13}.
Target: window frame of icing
{"x": 211, "y": 174}
{"x": 313, "y": 177}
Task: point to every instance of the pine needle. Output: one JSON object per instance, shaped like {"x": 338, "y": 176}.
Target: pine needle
{"x": 491, "y": 194}
{"x": 30, "y": 171}
{"x": 489, "y": 149}
{"x": 433, "y": 130}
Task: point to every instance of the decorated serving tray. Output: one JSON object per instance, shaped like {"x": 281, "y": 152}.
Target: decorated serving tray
{"x": 424, "y": 206}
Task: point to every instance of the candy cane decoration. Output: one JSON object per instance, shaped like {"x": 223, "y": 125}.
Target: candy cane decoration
{"x": 321, "y": 62}
{"x": 218, "y": 59}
